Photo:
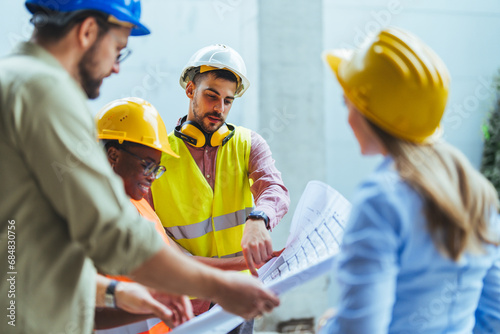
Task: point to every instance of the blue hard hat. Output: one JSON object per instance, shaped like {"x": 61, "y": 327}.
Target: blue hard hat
{"x": 123, "y": 10}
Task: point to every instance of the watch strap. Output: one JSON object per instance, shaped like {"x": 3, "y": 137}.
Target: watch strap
{"x": 109, "y": 296}
{"x": 259, "y": 215}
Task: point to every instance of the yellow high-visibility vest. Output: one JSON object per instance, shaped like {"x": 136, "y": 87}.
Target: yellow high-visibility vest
{"x": 206, "y": 222}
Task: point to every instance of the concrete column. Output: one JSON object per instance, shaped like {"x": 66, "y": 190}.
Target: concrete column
{"x": 291, "y": 120}
{"x": 291, "y": 93}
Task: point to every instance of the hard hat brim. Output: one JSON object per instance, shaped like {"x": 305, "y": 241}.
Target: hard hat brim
{"x": 335, "y": 57}
{"x": 140, "y": 30}
{"x": 169, "y": 151}
{"x": 243, "y": 83}
{"x": 166, "y": 150}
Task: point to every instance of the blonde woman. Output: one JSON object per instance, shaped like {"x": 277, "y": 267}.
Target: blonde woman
{"x": 421, "y": 251}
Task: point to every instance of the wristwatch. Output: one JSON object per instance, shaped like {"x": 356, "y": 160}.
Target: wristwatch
{"x": 109, "y": 296}
{"x": 259, "y": 215}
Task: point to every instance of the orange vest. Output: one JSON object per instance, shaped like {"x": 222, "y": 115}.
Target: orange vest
{"x": 149, "y": 326}
{"x": 147, "y": 212}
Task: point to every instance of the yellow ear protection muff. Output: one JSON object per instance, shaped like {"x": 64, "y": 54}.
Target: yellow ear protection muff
{"x": 192, "y": 133}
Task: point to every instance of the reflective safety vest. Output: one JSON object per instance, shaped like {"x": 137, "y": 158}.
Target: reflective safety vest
{"x": 206, "y": 222}
{"x": 148, "y": 326}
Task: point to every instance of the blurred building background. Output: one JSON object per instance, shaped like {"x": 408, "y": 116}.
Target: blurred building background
{"x": 294, "y": 100}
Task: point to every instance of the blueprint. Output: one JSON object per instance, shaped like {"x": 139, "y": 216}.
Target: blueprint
{"x": 315, "y": 233}
{"x": 315, "y": 237}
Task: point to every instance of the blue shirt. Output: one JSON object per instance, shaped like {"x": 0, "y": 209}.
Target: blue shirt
{"x": 393, "y": 278}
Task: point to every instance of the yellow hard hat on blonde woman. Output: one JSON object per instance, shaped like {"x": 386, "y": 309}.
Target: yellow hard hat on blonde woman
{"x": 396, "y": 81}
{"x": 135, "y": 120}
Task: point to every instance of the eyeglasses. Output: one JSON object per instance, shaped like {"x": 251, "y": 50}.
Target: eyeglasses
{"x": 149, "y": 167}
{"x": 124, "y": 53}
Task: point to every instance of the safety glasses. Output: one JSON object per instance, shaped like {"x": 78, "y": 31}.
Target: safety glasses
{"x": 124, "y": 53}
{"x": 149, "y": 167}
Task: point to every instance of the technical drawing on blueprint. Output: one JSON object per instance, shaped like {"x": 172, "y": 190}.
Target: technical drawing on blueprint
{"x": 315, "y": 233}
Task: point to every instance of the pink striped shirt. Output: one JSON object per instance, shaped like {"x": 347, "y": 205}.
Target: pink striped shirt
{"x": 268, "y": 190}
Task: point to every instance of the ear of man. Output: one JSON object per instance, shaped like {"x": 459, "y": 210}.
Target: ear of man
{"x": 87, "y": 32}
{"x": 190, "y": 88}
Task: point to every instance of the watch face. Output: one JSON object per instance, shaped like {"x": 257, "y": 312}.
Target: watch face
{"x": 109, "y": 301}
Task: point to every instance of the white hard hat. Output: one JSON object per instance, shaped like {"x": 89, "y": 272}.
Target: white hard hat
{"x": 217, "y": 56}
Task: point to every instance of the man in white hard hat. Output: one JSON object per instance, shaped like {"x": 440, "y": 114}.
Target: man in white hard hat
{"x": 63, "y": 209}
{"x": 205, "y": 202}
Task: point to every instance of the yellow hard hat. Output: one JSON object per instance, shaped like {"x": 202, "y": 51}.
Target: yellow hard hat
{"x": 135, "y": 120}
{"x": 395, "y": 81}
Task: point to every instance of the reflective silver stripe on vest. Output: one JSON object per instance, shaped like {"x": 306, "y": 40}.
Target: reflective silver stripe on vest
{"x": 191, "y": 231}
{"x": 199, "y": 229}
{"x": 231, "y": 219}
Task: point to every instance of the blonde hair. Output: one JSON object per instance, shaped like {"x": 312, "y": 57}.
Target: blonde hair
{"x": 458, "y": 201}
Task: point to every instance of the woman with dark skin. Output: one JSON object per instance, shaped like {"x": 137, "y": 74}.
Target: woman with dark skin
{"x": 138, "y": 166}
